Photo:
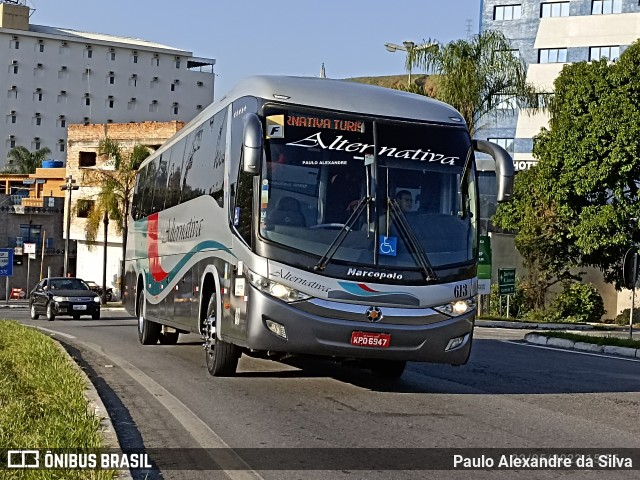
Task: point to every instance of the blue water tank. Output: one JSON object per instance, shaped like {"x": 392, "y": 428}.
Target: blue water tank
{"x": 52, "y": 164}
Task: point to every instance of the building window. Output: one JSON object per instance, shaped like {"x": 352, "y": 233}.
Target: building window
{"x": 12, "y": 117}
{"x": 504, "y": 102}
{"x": 62, "y": 96}
{"x": 37, "y": 119}
{"x": 177, "y": 62}
{"x": 153, "y": 106}
{"x": 36, "y": 144}
{"x": 15, "y": 43}
{"x": 37, "y": 95}
{"x": 40, "y": 46}
{"x": 63, "y": 73}
{"x": 38, "y": 71}
{"x": 174, "y": 108}
{"x": 86, "y": 121}
{"x": 133, "y": 80}
{"x": 87, "y": 99}
{"x": 61, "y": 145}
{"x": 154, "y": 82}
{"x": 11, "y": 141}
{"x": 12, "y": 92}
{"x": 84, "y": 207}
{"x": 605, "y": 7}
{"x": 507, "y": 12}
{"x": 134, "y": 56}
{"x": 131, "y": 105}
{"x": 111, "y": 78}
{"x": 555, "y": 9}
{"x": 506, "y": 143}
{"x": 610, "y": 53}
{"x": 13, "y": 68}
{"x": 88, "y": 52}
{"x": 62, "y": 121}
{"x": 110, "y": 102}
{"x": 112, "y": 54}
{"x": 87, "y": 159}
{"x": 155, "y": 61}
{"x": 64, "y": 49}
{"x": 552, "y": 55}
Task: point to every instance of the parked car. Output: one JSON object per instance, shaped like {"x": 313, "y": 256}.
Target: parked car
{"x": 98, "y": 289}
{"x": 63, "y": 296}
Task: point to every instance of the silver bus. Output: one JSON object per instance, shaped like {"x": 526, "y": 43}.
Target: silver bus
{"x": 312, "y": 216}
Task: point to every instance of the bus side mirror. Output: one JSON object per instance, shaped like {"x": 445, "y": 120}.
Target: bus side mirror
{"x": 252, "y": 144}
{"x": 504, "y": 168}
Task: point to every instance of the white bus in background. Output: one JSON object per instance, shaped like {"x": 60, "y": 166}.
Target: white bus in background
{"x": 273, "y": 224}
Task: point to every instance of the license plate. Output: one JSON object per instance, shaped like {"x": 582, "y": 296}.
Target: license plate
{"x": 79, "y": 307}
{"x": 367, "y": 339}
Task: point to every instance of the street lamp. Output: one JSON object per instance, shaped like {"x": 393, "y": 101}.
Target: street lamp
{"x": 408, "y": 47}
{"x": 70, "y": 186}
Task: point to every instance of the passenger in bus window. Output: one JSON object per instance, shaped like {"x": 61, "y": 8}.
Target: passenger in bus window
{"x": 287, "y": 212}
{"x": 405, "y": 200}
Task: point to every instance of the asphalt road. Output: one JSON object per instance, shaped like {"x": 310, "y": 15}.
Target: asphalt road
{"x": 510, "y": 395}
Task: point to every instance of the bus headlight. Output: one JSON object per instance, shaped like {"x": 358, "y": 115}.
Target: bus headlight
{"x": 459, "y": 307}
{"x": 276, "y": 289}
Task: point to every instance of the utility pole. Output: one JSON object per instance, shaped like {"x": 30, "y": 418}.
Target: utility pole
{"x": 70, "y": 186}
{"x": 104, "y": 257}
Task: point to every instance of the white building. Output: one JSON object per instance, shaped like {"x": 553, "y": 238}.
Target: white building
{"x": 53, "y": 77}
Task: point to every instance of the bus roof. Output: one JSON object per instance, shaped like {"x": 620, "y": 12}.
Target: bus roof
{"x": 345, "y": 95}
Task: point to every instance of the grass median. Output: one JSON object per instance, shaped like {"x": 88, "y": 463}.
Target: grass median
{"x": 42, "y": 401}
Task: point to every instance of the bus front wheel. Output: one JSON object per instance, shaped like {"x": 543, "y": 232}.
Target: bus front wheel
{"x": 222, "y": 357}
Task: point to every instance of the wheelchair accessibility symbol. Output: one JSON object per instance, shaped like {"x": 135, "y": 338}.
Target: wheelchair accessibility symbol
{"x": 387, "y": 245}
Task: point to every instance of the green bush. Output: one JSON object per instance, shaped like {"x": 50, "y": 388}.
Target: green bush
{"x": 518, "y": 303}
{"x": 578, "y": 302}
{"x": 623, "y": 317}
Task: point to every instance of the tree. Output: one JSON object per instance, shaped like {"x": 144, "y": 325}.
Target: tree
{"x": 588, "y": 170}
{"x": 116, "y": 183}
{"x": 475, "y": 75}
{"x": 21, "y": 160}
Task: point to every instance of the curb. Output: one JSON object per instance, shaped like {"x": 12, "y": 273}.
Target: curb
{"x": 97, "y": 408}
{"x": 538, "y": 339}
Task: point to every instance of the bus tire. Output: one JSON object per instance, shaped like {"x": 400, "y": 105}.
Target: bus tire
{"x": 389, "y": 369}
{"x": 148, "y": 331}
{"x": 169, "y": 338}
{"x": 222, "y": 357}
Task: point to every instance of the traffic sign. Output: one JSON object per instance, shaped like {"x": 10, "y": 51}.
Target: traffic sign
{"x": 6, "y": 262}
{"x": 29, "y": 248}
{"x": 484, "y": 265}
{"x": 507, "y": 281}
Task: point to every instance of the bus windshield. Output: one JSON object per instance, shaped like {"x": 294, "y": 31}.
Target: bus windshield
{"x": 418, "y": 194}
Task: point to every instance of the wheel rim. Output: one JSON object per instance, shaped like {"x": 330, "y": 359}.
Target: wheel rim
{"x": 209, "y": 329}
{"x": 140, "y": 315}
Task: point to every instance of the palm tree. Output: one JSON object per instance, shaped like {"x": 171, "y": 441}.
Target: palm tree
{"x": 116, "y": 183}
{"x": 476, "y": 75}
{"x": 21, "y": 160}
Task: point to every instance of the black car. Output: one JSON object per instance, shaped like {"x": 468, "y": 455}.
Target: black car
{"x": 63, "y": 296}
{"x": 98, "y": 289}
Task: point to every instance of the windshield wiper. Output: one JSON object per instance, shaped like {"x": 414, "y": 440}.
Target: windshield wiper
{"x": 410, "y": 237}
{"x": 342, "y": 234}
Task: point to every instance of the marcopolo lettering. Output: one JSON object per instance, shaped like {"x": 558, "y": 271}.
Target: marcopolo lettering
{"x": 353, "y": 272}
{"x": 341, "y": 144}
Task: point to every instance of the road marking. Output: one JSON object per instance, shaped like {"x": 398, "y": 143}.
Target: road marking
{"x": 200, "y": 431}
{"x": 577, "y": 352}
{"x": 54, "y": 332}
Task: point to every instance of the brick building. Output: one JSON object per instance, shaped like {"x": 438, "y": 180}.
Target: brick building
{"x": 82, "y": 154}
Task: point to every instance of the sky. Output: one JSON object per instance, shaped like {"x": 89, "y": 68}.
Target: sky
{"x": 285, "y": 37}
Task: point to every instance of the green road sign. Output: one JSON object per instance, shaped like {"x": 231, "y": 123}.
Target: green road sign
{"x": 484, "y": 258}
{"x": 507, "y": 281}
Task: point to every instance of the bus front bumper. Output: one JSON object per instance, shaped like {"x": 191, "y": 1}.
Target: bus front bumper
{"x": 311, "y": 334}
